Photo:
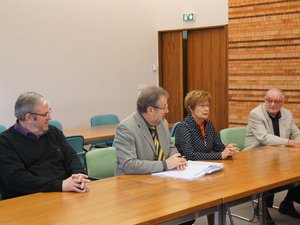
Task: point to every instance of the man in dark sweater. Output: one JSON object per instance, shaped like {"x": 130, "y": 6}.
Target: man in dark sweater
{"x": 35, "y": 157}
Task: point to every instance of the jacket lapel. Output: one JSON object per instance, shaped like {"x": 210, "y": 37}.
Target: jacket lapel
{"x": 268, "y": 119}
{"x": 145, "y": 131}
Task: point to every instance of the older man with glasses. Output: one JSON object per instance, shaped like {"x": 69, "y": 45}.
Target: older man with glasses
{"x": 35, "y": 157}
{"x": 271, "y": 124}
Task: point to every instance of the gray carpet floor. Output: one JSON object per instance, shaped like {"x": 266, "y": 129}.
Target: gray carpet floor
{"x": 245, "y": 210}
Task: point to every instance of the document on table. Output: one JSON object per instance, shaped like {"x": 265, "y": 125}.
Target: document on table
{"x": 194, "y": 170}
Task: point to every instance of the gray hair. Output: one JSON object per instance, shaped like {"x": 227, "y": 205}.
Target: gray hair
{"x": 27, "y": 102}
{"x": 150, "y": 96}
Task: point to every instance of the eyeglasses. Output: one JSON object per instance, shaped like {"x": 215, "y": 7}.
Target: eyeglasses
{"x": 163, "y": 108}
{"x": 276, "y": 102}
{"x": 42, "y": 114}
{"x": 204, "y": 106}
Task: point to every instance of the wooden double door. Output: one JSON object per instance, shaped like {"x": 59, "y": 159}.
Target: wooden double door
{"x": 195, "y": 60}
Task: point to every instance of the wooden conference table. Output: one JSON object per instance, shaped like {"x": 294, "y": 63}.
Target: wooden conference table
{"x": 245, "y": 176}
{"x": 111, "y": 201}
{"x": 146, "y": 199}
{"x": 93, "y": 133}
{"x": 96, "y": 133}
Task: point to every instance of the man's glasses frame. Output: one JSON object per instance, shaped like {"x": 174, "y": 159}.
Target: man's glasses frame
{"x": 276, "y": 102}
{"x": 42, "y": 114}
{"x": 163, "y": 108}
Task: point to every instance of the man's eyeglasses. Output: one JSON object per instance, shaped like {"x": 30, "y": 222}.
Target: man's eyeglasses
{"x": 42, "y": 114}
{"x": 163, "y": 108}
{"x": 276, "y": 102}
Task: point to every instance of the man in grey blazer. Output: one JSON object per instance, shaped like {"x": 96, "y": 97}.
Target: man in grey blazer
{"x": 135, "y": 148}
{"x": 271, "y": 124}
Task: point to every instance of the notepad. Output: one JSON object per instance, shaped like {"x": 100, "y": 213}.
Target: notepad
{"x": 194, "y": 170}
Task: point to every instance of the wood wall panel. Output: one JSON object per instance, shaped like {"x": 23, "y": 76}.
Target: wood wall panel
{"x": 171, "y": 72}
{"x": 264, "y": 52}
{"x": 207, "y": 69}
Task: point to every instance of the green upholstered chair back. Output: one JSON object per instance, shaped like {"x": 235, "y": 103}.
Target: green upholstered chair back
{"x": 101, "y": 162}
{"x": 234, "y": 135}
{"x": 77, "y": 143}
{"x": 100, "y": 120}
{"x": 173, "y": 130}
{"x": 56, "y": 124}
{"x": 2, "y": 128}
{"x": 105, "y": 119}
{"x": 173, "y": 140}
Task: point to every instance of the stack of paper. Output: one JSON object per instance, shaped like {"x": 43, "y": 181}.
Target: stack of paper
{"x": 194, "y": 169}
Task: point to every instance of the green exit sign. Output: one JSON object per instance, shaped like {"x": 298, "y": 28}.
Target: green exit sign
{"x": 188, "y": 17}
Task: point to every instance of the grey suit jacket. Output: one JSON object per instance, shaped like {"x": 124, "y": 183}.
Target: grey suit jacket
{"x": 260, "y": 128}
{"x": 135, "y": 148}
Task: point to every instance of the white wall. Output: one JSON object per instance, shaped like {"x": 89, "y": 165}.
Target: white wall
{"x": 207, "y": 12}
{"x": 87, "y": 56}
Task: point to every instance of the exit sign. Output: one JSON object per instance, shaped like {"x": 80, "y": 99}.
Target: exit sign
{"x": 188, "y": 17}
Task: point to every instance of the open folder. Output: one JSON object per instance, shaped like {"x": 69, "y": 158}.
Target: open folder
{"x": 194, "y": 169}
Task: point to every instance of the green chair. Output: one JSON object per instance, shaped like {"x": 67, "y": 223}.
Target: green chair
{"x": 77, "y": 143}
{"x": 173, "y": 130}
{"x": 173, "y": 140}
{"x": 234, "y": 135}
{"x": 101, "y": 120}
{"x": 2, "y": 128}
{"x": 56, "y": 124}
{"x": 101, "y": 162}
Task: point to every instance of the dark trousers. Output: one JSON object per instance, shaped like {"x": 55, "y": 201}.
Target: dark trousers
{"x": 210, "y": 220}
{"x": 293, "y": 195}
{"x": 188, "y": 222}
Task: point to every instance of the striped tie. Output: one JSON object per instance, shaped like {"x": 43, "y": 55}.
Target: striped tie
{"x": 159, "y": 150}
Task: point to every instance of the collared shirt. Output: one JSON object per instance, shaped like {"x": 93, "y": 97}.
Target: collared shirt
{"x": 275, "y": 123}
{"x": 24, "y": 131}
{"x": 202, "y": 126}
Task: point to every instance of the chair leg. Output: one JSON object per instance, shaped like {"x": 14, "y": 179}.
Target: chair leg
{"x": 230, "y": 217}
{"x": 273, "y": 206}
{"x": 245, "y": 218}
